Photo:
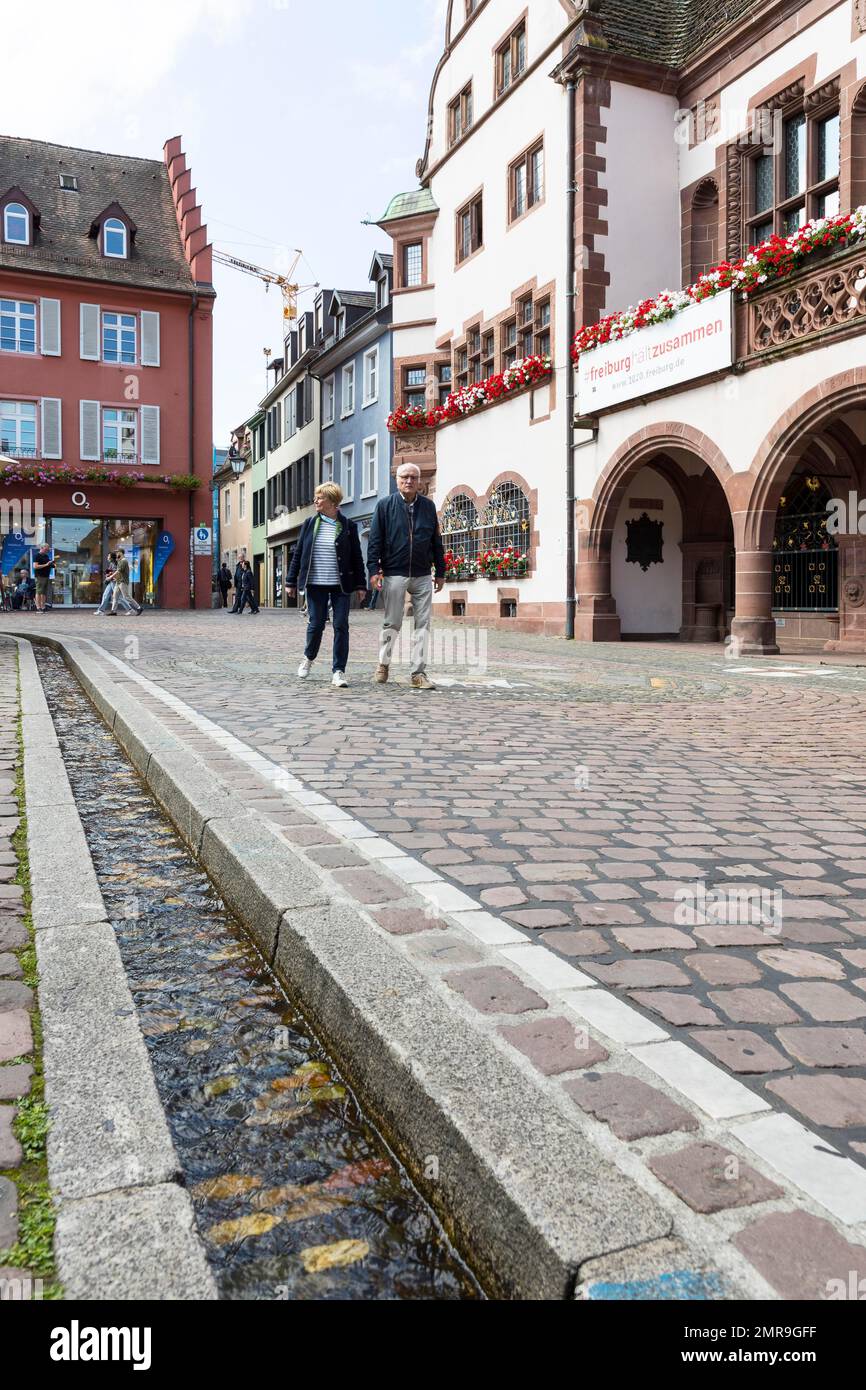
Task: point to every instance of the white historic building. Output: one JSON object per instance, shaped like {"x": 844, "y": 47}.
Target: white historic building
{"x": 643, "y": 142}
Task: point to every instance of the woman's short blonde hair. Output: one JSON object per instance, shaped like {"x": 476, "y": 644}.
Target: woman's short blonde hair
{"x": 332, "y": 491}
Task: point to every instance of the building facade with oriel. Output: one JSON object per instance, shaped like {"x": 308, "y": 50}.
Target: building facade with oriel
{"x": 354, "y": 368}
{"x": 694, "y": 486}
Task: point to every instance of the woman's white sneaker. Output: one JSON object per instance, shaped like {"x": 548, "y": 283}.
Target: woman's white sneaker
{"x": 304, "y": 669}
{"x": 339, "y": 679}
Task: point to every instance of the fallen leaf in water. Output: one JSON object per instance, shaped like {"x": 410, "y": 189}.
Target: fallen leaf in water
{"x": 228, "y": 1185}
{"x": 287, "y": 1083}
{"x": 230, "y": 953}
{"x": 309, "y": 1069}
{"x": 274, "y": 1117}
{"x": 227, "y": 1231}
{"x": 354, "y": 1174}
{"x": 212, "y": 1089}
{"x": 343, "y": 1252}
{"x": 197, "y": 1045}
{"x": 276, "y": 1196}
{"x": 327, "y": 1092}
{"x": 174, "y": 902}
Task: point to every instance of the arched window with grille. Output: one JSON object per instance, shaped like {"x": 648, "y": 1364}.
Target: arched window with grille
{"x": 459, "y": 525}
{"x": 506, "y": 524}
{"x": 805, "y": 557}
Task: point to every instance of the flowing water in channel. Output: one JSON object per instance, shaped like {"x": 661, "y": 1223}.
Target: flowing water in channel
{"x": 295, "y": 1195}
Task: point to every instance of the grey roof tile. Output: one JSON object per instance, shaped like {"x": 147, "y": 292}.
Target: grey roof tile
{"x": 63, "y": 245}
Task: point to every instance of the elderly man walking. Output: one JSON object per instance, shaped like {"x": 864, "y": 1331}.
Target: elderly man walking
{"x": 405, "y": 544}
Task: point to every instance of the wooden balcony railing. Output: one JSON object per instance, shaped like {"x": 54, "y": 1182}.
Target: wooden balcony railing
{"x": 824, "y": 300}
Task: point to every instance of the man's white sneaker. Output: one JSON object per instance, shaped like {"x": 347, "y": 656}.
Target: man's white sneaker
{"x": 339, "y": 679}
{"x": 304, "y": 669}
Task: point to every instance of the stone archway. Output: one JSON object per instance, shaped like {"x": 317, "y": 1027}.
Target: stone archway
{"x": 666, "y": 483}
{"x": 822, "y": 436}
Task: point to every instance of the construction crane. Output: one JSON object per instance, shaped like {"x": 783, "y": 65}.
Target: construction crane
{"x": 288, "y": 288}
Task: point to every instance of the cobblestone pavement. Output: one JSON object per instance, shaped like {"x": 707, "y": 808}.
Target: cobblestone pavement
{"x": 16, "y": 998}
{"x": 606, "y": 802}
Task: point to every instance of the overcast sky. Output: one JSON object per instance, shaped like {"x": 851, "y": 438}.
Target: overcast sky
{"x": 298, "y": 120}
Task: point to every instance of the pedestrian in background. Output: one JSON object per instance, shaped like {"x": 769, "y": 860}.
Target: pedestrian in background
{"x": 108, "y": 592}
{"x": 121, "y": 587}
{"x": 239, "y": 583}
{"x": 224, "y": 579}
{"x": 405, "y": 545}
{"x": 43, "y": 573}
{"x": 327, "y": 563}
{"x": 248, "y": 589}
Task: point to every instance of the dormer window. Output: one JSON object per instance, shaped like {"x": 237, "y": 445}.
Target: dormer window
{"x": 16, "y": 224}
{"x": 341, "y": 324}
{"x": 114, "y": 238}
{"x": 114, "y": 232}
{"x": 382, "y": 292}
{"x": 19, "y": 219}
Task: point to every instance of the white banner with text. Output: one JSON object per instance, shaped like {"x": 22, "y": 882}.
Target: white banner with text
{"x": 694, "y": 342}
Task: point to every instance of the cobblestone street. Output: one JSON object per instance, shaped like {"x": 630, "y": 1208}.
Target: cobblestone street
{"x": 574, "y": 790}
{"x": 684, "y": 831}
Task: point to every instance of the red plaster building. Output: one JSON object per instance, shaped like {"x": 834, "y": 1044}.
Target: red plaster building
{"x": 106, "y": 308}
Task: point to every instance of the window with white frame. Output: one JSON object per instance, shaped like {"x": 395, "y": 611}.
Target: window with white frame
{"x": 242, "y": 501}
{"x": 291, "y": 414}
{"x": 18, "y": 428}
{"x": 349, "y": 389}
{"x": 119, "y": 333}
{"x": 328, "y": 468}
{"x": 382, "y": 292}
{"x": 16, "y": 224}
{"x": 119, "y": 435}
{"x": 17, "y": 326}
{"x": 328, "y": 396}
{"x": 114, "y": 238}
{"x": 347, "y": 473}
{"x": 341, "y": 324}
{"x": 370, "y": 474}
{"x": 371, "y": 376}
{"x": 227, "y": 506}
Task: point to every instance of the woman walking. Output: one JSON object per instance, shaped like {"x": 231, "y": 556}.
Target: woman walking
{"x": 248, "y": 589}
{"x": 108, "y": 591}
{"x": 328, "y": 565}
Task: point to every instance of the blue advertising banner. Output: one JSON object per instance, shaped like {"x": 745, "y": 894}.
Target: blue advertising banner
{"x": 134, "y": 557}
{"x": 164, "y": 548}
{"x": 15, "y": 548}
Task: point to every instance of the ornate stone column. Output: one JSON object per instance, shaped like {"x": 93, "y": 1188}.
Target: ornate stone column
{"x": 852, "y": 595}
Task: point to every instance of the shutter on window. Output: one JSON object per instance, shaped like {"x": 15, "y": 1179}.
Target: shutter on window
{"x": 52, "y": 437}
{"x": 299, "y": 405}
{"x": 150, "y": 434}
{"x": 49, "y": 327}
{"x": 89, "y": 430}
{"x": 149, "y": 338}
{"x": 89, "y": 332}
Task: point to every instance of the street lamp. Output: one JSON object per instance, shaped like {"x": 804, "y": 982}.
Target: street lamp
{"x": 237, "y": 461}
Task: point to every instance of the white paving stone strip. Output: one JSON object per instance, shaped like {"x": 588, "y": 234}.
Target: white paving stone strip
{"x": 687, "y": 1073}
{"x": 833, "y": 1180}
{"x": 612, "y": 1017}
{"x": 109, "y": 1145}
{"x": 717, "y": 1094}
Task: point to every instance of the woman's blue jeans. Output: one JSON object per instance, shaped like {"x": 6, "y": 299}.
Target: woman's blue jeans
{"x": 318, "y": 597}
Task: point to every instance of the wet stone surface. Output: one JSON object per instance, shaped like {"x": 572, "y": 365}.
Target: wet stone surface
{"x": 295, "y": 1196}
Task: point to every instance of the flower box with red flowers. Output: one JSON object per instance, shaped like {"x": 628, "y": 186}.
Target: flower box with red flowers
{"x": 459, "y": 567}
{"x": 771, "y": 260}
{"x": 504, "y": 564}
{"x": 527, "y": 371}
